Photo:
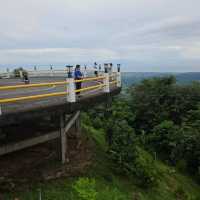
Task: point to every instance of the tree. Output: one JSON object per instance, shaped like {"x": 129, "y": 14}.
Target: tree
{"x": 158, "y": 99}
{"x": 150, "y": 101}
{"x": 165, "y": 139}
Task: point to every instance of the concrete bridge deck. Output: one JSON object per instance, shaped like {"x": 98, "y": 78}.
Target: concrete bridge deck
{"x": 13, "y": 112}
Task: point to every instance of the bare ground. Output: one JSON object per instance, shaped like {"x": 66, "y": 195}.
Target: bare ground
{"x": 41, "y": 163}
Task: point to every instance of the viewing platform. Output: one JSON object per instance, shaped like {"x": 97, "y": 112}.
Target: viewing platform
{"x": 54, "y": 93}
{"x": 54, "y": 96}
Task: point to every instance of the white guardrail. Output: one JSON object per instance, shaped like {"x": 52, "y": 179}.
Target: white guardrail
{"x": 50, "y": 72}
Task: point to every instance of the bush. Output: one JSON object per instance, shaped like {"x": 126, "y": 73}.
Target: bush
{"x": 111, "y": 194}
{"x": 145, "y": 169}
{"x": 165, "y": 139}
{"x": 85, "y": 189}
{"x": 181, "y": 194}
{"x": 135, "y": 162}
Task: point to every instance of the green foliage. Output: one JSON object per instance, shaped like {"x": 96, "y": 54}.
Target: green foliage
{"x": 158, "y": 99}
{"x": 131, "y": 160}
{"x": 151, "y": 101}
{"x": 110, "y": 193}
{"x": 85, "y": 188}
{"x": 180, "y": 193}
{"x": 165, "y": 138}
{"x": 169, "y": 115}
{"x": 122, "y": 150}
{"x": 145, "y": 169}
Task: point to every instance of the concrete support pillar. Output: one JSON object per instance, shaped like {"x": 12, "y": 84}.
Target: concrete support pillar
{"x": 85, "y": 71}
{"x": 21, "y": 74}
{"x": 106, "y": 82}
{"x": 51, "y": 70}
{"x": 8, "y": 72}
{"x": 63, "y": 139}
{"x": 78, "y": 131}
{"x": 71, "y": 95}
{"x": 78, "y": 125}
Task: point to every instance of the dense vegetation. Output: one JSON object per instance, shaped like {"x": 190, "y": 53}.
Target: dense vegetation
{"x": 168, "y": 115}
{"x": 147, "y": 146}
{"x": 160, "y": 117}
{"x": 130, "y": 78}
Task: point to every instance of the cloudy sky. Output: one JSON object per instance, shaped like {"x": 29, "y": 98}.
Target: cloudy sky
{"x": 144, "y": 35}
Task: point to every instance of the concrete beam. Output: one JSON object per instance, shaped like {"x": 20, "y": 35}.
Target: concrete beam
{"x": 28, "y": 143}
{"x": 63, "y": 139}
{"x": 44, "y": 138}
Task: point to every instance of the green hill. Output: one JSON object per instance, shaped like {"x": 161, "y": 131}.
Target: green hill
{"x": 101, "y": 180}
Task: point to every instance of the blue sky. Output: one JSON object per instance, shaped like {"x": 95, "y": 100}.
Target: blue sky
{"x": 144, "y": 35}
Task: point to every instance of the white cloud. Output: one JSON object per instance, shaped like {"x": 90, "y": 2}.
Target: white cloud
{"x": 55, "y": 55}
{"x": 133, "y": 31}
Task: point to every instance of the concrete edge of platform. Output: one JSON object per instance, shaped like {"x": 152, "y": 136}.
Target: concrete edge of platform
{"x": 64, "y": 107}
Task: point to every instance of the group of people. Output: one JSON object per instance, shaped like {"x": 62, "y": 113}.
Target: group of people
{"x": 78, "y": 75}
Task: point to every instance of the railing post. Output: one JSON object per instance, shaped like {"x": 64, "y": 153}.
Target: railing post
{"x": 51, "y": 69}
{"x": 71, "y": 95}
{"x": 21, "y": 74}
{"x": 8, "y": 73}
{"x": 35, "y": 71}
{"x": 85, "y": 71}
{"x": 63, "y": 138}
{"x": 106, "y": 81}
{"x": 119, "y": 81}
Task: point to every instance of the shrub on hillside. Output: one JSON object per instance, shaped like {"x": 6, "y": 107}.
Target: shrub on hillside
{"x": 165, "y": 139}
{"x": 144, "y": 168}
{"x": 110, "y": 193}
{"x": 131, "y": 160}
{"x": 85, "y": 189}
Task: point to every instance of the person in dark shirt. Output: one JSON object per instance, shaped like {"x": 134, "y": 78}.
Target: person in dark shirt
{"x": 95, "y": 69}
{"x": 26, "y": 78}
{"x": 78, "y": 76}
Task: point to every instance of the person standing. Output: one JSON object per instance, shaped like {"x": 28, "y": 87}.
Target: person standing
{"x": 95, "y": 69}
{"x": 25, "y": 77}
{"x": 78, "y": 76}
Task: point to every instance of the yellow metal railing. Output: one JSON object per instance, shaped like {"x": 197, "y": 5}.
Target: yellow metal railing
{"x": 41, "y": 96}
{"x": 90, "y": 88}
{"x": 113, "y": 82}
{"x": 34, "y": 97}
{"x": 90, "y": 79}
{"x": 14, "y": 87}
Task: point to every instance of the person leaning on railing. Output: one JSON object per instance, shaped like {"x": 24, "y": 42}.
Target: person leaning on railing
{"x": 78, "y": 76}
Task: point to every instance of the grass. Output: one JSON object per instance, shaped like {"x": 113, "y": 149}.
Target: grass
{"x": 172, "y": 184}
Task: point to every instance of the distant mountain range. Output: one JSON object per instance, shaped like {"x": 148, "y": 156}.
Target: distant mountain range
{"x": 130, "y": 78}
